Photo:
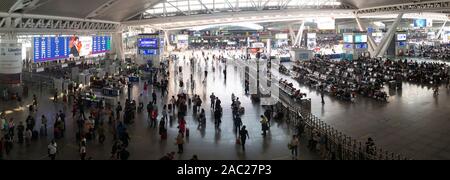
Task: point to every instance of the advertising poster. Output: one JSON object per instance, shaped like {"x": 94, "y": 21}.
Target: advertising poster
{"x": 10, "y": 63}
{"x": 311, "y": 40}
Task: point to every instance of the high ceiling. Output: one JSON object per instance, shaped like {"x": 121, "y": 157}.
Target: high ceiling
{"x": 121, "y": 10}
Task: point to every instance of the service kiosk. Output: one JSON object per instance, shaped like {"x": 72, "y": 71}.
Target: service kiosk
{"x": 301, "y": 54}
{"x": 355, "y": 45}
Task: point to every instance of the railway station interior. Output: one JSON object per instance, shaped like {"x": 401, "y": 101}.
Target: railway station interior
{"x": 224, "y": 80}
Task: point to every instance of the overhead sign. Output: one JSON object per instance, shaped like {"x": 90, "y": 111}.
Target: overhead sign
{"x": 151, "y": 43}
{"x": 281, "y": 36}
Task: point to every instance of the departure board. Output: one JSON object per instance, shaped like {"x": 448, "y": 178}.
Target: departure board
{"x": 101, "y": 44}
{"x": 50, "y": 48}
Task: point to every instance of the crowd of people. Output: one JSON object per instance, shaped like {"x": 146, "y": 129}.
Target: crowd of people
{"x": 367, "y": 77}
{"x": 441, "y": 52}
{"x": 103, "y": 121}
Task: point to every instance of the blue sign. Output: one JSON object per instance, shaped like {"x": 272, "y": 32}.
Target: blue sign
{"x": 148, "y": 51}
{"x": 53, "y": 48}
{"x": 420, "y": 23}
{"x": 50, "y": 48}
{"x": 361, "y": 46}
{"x": 151, "y": 43}
{"x": 101, "y": 44}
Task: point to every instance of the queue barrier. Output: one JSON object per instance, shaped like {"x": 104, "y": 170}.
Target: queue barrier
{"x": 335, "y": 145}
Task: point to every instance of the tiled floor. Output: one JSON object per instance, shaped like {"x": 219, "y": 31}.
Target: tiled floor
{"x": 413, "y": 123}
{"x": 145, "y": 142}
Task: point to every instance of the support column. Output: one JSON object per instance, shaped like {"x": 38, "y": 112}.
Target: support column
{"x": 117, "y": 46}
{"x": 371, "y": 42}
{"x": 291, "y": 34}
{"x": 298, "y": 38}
{"x": 441, "y": 31}
{"x": 382, "y": 47}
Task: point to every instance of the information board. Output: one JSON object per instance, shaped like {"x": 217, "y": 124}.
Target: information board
{"x": 53, "y": 48}
{"x": 50, "y": 48}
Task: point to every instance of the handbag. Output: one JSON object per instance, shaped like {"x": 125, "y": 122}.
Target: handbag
{"x": 238, "y": 141}
{"x": 290, "y": 146}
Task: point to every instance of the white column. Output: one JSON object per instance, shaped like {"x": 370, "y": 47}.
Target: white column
{"x": 291, "y": 34}
{"x": 441, "y": 31}
{"x": 382, "y": 47}
{"x": 117, "y": 46}
{"x": 298, "y": 38}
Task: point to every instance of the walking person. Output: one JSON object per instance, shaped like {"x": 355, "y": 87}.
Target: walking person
{"x": 243, "y": 134}
{"x": 83, "y": 150}
{"x": 28, "y": 136}
{"x": 118, "y": 110}
{"x": 154, "y": 97}
{"x": 164, "y": 112}
{"x": 162, "y": 129}
{"x": 293, "y": 146}
{"x": 237, "y": 124}
{"x": 180, "y": 141}
{"x": 52, "y": 150}
{"x": 321, "y": 96}
{"x": 154, "y": 118}
{"x": 20, "y": 132}
{"x": 43, "y": 129}
{"x": 264, "y": 125}
{"x": 213, "y": 100}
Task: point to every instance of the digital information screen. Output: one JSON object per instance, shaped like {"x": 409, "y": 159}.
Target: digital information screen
{"x": 348, "y": 38}
{"x": 101, "y": 44}
{"x": 420, "y": 23}
{"x": 151, "y": 43}
{"x": 53, "y": 48}
{"x": 360, "y": 38}
{"x": 401, "y": 37}
{"x": 148, "y": 51}
{"x": 361, "y": 46}
{"x": 50, "y": 48}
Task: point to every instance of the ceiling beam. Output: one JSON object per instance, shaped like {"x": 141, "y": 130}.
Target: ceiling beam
{"x": 207, "y": 9}
{"x": 101, "y": 9}
{"x": 177, "y": 8}
{"x": 150, "y": 4}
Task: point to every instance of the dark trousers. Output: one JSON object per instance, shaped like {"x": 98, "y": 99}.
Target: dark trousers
{"x": 52, "y": 156}
{"x": 243, "y": 143}
{"x": 294, "y": 151}
{"x": 180, "y": 148}
{"x": 83, "y": 156}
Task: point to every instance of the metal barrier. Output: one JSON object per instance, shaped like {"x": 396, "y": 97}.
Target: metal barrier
{"x": 333, "y": 145}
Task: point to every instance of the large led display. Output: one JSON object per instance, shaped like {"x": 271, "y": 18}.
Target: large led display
{"x": 50, "y": 48}
{"x": 360, "y": 38}
{"x": 151, "y": 43}
{"x": 420, "y": 23}
{"x": 148, "y": 51}
{"x": 348, "y": 38}
{"x": 101, "y": 44}
{"x": 401, "y": 37}
{"x": 53, "y": 48}
{"x": 361, "y": 46}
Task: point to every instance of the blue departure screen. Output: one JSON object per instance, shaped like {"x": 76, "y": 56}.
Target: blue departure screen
{"x": 101, "y": 44}
{"x": 148, "y": 52}
{"x": 50, "y": 48}
{"x": 151, "y": 43}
